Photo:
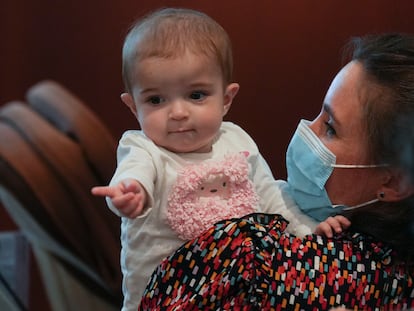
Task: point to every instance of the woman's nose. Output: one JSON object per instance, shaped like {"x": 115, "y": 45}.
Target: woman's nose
{"x": 314, "y": 125}
{"x": 179, "y": 110}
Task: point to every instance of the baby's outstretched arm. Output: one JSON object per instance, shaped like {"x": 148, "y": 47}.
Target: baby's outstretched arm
{"x": 331, "y": 225}
{"x": 128, "y": 196}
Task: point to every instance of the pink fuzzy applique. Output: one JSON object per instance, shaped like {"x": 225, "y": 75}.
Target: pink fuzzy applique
{"x": 208, "y": 192}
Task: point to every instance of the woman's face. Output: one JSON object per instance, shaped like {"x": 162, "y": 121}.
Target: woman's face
{"x": 340, "y": 126}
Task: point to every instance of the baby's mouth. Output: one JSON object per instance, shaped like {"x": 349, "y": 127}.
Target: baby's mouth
{"x": 181, "y": 131}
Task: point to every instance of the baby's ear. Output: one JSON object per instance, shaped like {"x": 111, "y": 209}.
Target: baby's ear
{"x": 129, "y": 101}
{"x": 229, "y": 94}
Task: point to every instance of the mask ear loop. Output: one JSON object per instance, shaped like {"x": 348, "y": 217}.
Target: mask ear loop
{"x": 358, "y": 165}
{"x": 348, "y": 208}
{"x": 381, "y": 195}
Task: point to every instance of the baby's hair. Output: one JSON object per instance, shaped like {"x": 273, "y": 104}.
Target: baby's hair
{"x": 170, "y": 32}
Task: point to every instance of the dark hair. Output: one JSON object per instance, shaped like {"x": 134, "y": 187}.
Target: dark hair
{"x": 388, "y": 61}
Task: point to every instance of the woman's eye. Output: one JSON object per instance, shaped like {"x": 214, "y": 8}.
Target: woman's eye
{"x": 330, "y": 131}
{"x": 197, "y": 95}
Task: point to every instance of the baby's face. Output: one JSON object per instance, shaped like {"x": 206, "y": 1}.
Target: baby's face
{"x": 180, "y": 102}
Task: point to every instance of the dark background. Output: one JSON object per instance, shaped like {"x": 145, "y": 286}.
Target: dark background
{"x": 285, "y": 52}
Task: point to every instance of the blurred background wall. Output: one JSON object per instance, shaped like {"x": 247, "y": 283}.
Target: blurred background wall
{"x": 286, "y": 53}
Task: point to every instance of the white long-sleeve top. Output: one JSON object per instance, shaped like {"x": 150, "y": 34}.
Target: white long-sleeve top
{"x": 147, "y": 239}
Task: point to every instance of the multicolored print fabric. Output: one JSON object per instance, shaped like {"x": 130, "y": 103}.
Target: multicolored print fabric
{"x": 251, "y": 264}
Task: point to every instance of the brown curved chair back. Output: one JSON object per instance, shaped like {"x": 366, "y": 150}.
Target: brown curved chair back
{"x": 52, "y": 151}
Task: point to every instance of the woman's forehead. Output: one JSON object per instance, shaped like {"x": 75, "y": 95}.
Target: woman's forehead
{"x": 346, "y": 92}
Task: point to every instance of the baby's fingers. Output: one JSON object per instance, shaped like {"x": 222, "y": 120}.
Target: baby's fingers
{"x": 335, "y": 223}
{"x": 129, "y": 204}
{"x": 324, "y": 228}
{"x": 131, "y": 185}
{"x": 343, "y": 221}
{"x": 103, "y": 191}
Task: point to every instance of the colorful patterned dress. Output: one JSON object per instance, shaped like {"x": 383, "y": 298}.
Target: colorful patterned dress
{"x": 251, "y": 264}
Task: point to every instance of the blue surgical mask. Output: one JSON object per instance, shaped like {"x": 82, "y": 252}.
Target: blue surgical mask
{"x": 309, "y": 165}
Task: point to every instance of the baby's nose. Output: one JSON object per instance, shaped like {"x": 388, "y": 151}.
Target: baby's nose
{"x": 178, "y": 110}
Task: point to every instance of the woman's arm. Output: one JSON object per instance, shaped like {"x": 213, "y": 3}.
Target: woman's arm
{"x": 252, "y": 262}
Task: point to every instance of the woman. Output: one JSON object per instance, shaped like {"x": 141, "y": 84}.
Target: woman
{"x": 347, "y": 160}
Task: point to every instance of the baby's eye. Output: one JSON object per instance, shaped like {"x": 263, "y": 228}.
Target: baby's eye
{"x": 198, "y": 95}
{"x": 155, "y": 100}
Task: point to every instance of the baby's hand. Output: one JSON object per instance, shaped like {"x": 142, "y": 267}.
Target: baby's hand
{"x": 332, "y": 225}
{"x": 128, "y": 197}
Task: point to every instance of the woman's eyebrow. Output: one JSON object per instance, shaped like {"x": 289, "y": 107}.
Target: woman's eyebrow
{"x": 327, "y": 108}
